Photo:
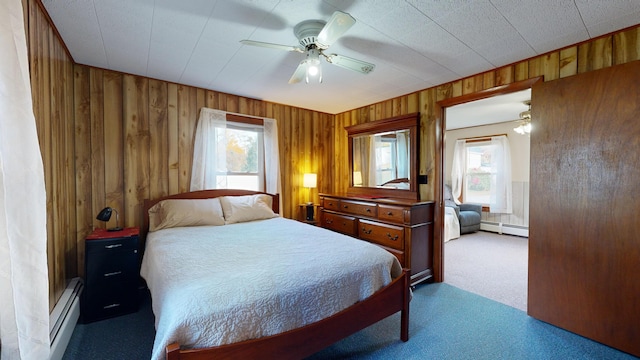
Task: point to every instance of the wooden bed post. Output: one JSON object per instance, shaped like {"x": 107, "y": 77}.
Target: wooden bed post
{"x": 404, "y": 314}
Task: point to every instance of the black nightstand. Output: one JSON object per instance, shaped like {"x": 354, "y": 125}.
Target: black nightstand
{"x": 111, "y": 274}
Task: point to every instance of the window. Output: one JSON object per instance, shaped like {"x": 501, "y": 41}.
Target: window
{"x": 235, "y": 151}
{"x": 240, "y": 163}
{"x": 481, "y": 172}
{"x": 385, "y": 148}
{"x": 477, "y": 174}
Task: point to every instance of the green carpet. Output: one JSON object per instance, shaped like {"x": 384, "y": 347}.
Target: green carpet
{"x": 446, "y": 323}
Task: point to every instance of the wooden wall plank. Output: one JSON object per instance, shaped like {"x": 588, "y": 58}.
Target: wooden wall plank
{"x": 96, "y": 125}
{"x": 596, "y": 54}
{"x": 626, "y": 46}
{"x": 83, "y": 160}
{"x": 136, "y": 146}
{"x": 109, "y": 151}
{"x": 158, "y": 139}
{"x": 568, "y": 61}
{"x": 173, "y": 132}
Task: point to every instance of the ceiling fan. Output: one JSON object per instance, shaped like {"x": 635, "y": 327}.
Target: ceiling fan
{"x": 315, "y": 37}
{"x": 525, "y": 120}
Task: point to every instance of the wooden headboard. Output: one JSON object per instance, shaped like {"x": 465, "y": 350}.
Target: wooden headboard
{"x": 202, "y": 194}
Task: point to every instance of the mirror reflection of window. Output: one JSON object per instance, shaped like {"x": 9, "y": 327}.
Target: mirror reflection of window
{"x": 382, "y": 160}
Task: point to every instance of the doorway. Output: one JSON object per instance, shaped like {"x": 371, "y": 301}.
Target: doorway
{"x": 493, "y": 261}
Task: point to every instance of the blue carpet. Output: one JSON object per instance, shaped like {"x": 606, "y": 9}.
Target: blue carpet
{"x": 446, "y": 323}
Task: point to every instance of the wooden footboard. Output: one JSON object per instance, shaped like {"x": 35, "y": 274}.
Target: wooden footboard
{"x": 305, "y": 341}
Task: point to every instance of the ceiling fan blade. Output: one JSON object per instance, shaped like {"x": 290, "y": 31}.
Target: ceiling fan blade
{"x": 272, "y": 46}
{"x": 300, "y": 73}
{"x": 339, "y": 23}
{"x": 351, "y": 63}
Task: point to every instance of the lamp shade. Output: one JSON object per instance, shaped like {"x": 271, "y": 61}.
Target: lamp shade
{"x": 357, "y": 178}
{"x": 310, "y": 180}
{"x": 105, "y": 215}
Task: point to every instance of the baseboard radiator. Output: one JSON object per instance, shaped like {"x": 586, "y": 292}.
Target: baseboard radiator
{"x": 501, "y": 228}
{"x": 64, "y": 317}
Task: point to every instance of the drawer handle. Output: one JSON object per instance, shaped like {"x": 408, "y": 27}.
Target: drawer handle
{"x": 364, "y": 230}
{"x": 112, "y": 246}
{"x": 110, "y": 306}
{"x": 345, "y": 206}
{"x": 389, "y": 213}
{"x": 113, "y": 273}
{"x": 329, "y": 221}
{"x": 393, "y": 238}
{"x": 368, "y": 210}
{"x": 330, "y": 204}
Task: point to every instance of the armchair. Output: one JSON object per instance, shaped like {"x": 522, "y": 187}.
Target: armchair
{"x": 469, "y": 215}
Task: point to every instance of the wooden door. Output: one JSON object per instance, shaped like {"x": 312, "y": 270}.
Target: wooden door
{"x": 584, "y": 235}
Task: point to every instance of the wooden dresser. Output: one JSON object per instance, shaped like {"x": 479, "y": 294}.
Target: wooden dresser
{"x": 403, "y": 227}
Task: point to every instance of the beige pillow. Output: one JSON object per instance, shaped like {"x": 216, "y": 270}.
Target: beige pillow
{"x": 185, "y": 212}
{"x": 246, "y": 208}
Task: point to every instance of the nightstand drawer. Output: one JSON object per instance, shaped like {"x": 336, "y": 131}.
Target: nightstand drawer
{"x": 114, "y": 266}
{"x": 107, "y": 246}
{"x": 110, "y": 301}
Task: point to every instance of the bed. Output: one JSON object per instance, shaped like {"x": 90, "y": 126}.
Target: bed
{"x": 451, "y": 224}
{"x": 257, "y": 285}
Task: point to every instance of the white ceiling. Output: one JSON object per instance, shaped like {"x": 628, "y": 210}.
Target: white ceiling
{"x": 415, "y": 44}
{"x": 496, "y": 109}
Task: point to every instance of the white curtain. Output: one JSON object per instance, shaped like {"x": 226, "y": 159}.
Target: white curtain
{"x": 207, "y": 157}
{"x": 272, "y": 157}
{"x": 500, "y": 176}
{"x": 403, "y": 156}
{"x": 457, "y": 170}
{"x": 24, "y": 281}
{"x": 373, "y": 164}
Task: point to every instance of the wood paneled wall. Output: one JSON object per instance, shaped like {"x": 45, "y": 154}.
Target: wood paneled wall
{"x": 51, "y": 72}
{"x": 618, "y": 48}
{"x": 112, "y": 139}
{"x": 134, "y": 140}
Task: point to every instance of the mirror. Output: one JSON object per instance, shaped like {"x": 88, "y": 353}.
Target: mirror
{"x": 383, "y": 157}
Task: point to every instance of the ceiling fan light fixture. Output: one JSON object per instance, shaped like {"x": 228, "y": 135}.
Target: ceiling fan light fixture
{"x": 525, "y": 124}
{"x": 313, "y": 64}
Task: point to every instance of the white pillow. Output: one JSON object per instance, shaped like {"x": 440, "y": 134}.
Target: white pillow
{"x": 246, "y": 208}
{"x": 185, "y": 212}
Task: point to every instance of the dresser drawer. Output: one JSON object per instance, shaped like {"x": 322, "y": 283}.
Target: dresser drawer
{"x": 383, "y": 234}
{"x": 359, "y": 208}
{"x": 391, "y": 213}
{"x": 331, "y": 204}
{"x": 340, "y": 223}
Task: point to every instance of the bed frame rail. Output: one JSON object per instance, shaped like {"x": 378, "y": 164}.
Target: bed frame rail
{"x": 302, "y": 342}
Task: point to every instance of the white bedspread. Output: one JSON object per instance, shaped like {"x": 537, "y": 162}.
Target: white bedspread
{"x": 214, "y": 285}
{"x": 451, "y": 224}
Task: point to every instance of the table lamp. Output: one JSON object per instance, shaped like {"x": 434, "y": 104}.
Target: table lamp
{"x": 310, "y": 181}
{"x": 105, "y": 215}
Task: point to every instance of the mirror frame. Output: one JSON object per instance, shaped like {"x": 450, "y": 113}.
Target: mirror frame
{"x": 405, "y": 122}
